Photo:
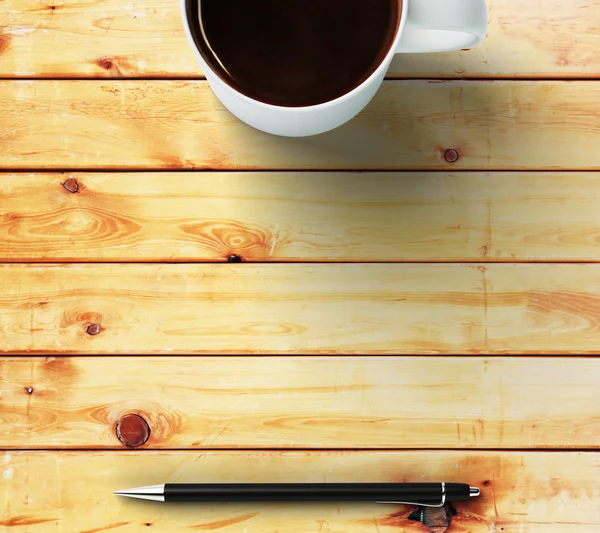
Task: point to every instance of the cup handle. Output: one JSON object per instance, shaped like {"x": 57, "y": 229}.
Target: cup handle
{"x": 443, "y": 25}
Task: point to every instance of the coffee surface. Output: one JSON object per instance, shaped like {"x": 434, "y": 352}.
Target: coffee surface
{"x": 295, "y": 52}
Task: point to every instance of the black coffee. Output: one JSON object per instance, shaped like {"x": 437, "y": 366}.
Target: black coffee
{"x": 294, "y": 52}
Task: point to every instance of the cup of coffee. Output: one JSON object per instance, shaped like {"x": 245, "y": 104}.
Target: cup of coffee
{"x": 302, "y": 67}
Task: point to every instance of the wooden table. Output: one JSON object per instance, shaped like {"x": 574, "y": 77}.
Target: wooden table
{"x": 398, "y": 313}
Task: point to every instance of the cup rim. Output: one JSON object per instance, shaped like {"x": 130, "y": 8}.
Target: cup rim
{"x": 317, "y": 107}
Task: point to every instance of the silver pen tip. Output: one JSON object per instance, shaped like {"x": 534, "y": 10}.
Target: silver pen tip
{"x": 474, "y": 492}
{"x": 154, "y": 492}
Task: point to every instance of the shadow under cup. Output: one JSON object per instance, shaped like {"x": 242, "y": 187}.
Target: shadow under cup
{"x": 293, "y": 53}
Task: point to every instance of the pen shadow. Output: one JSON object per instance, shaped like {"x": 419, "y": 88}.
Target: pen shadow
{"x": 301, "y": 516}
{"x": 259, "y": 517}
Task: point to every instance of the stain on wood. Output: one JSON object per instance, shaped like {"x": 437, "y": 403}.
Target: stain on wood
{"x": 106, "y": 528}
{"x": 130, "y": 125}
{"x": 4, "y": 43}
{"x": 219, "y": 524}
{"x": 396, "y": 519}
{"x": 60, "y": 371}
{"x": 24, "y": 521}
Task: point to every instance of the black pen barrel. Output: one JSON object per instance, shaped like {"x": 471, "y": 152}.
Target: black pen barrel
{"x": 458, "y": 492}
{"x": 426, "y": 493}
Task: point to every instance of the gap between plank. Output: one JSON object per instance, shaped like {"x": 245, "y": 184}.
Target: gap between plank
{"x": 307, "y": 450}
{"x": 202, "y": 78}
{"x": 63, "y": 262}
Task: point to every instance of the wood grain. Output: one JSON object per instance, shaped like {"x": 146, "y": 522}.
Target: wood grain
{"x": 409, "y": 125}
{"x": 286, "y": 309}
{"x": 302, "y": 402}
{"x": 110, "y": 38}
{"x": 300, "y": 217}
{"x": 521, "y": 492}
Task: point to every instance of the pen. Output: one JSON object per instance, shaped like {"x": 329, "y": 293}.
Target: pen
{"x": 425, "y": 494}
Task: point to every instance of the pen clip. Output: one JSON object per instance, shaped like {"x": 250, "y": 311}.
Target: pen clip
{"x": 441, "y": 504}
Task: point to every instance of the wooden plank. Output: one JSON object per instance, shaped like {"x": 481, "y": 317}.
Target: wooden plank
{"x": 286, "y": 309}
{"x": 314, "y": 402}
{"x": 537, "y": 38}
{"x": 300, "y": 217}
{"x": 409, "y": 125}
{"x": 521, "y": 492}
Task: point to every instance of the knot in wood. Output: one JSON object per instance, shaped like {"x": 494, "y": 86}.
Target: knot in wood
{"x": 71, "y": 185}
{"x": 94, "y": 329}
{"x": 451, "y": 155}
{"x": 105, "y": 62}
{"x": 132, "y": 430}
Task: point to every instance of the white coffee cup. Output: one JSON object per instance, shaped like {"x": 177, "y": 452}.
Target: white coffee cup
{"x": 425, "y": 26}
